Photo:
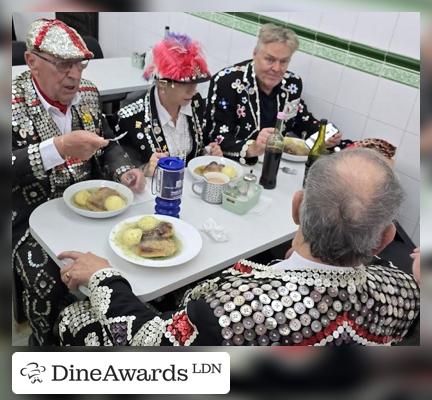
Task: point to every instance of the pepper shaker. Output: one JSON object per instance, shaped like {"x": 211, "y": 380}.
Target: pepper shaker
{"x": 250, "y": 180}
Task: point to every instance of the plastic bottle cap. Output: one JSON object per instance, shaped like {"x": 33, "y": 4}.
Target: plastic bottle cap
{"x": 171, "y": 163}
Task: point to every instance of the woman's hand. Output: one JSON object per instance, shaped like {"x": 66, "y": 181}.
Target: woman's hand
{"x": 152, "y": 164}
{"x": 214, "y": 149}
{"x": 134, "y": 179}
{"x": 82, "y": 267}
{"x": 258, "y": 147}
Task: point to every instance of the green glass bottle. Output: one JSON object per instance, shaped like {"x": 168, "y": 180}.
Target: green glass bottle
{"x": 317, "y": 150}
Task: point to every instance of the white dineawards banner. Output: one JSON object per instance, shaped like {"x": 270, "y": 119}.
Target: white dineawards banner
{"x": 120, "y": 372}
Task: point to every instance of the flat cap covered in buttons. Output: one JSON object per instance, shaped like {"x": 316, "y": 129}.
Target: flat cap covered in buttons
{"x": 54, "y": 37}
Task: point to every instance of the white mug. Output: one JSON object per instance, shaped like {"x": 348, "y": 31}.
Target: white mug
{"x": 211, "y": 187}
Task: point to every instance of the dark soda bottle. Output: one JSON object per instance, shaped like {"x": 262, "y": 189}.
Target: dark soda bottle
{"x": 273, "y": 154}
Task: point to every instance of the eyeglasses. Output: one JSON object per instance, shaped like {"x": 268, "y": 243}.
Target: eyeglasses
{"x": 64, "y": 66}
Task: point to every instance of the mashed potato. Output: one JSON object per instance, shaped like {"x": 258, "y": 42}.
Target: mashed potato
{"x": 148, "y": 223}
{"x": 132, "y": 236}
{"x": 81, "y": 197}
{"x": 114, "y": 203}
{"x": 229, "y": 171}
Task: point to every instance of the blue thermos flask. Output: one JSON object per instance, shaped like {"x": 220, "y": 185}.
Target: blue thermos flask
{"x": 167, "y": 185}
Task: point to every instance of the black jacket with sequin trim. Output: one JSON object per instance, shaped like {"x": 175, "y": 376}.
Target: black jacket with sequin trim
{"x": 233, "y": 108}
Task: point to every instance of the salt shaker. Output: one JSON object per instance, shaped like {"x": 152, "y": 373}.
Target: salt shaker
{"x": 250, "y": 181}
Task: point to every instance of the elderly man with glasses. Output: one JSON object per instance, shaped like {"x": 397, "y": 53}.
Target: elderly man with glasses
{"x": 244, "y": 99}
{"x": 58, "y": 138}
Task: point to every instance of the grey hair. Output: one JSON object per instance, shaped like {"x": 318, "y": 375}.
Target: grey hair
{"x": 270, "y": 33}
{"x": 342, "y": 218}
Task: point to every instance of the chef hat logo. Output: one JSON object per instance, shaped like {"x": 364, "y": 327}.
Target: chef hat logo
{"x": 33, "y": 371}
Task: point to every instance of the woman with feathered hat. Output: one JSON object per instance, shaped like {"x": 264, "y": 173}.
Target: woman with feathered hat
{"x": 168, "y": 120}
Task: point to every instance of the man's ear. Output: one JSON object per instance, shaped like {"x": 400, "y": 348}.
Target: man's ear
{"x": 386, "y": 238}
{"x": 30, "y": 59}
{"x": 296, "y": 202}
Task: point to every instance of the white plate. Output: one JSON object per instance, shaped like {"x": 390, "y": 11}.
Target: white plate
{"x": 205, "y": 160}
{"x": 122, "y": 189}
{"x": 189, "y": 237}
{"x": 293, "y": 157}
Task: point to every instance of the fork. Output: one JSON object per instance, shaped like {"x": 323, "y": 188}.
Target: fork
{"x": 117, "y": 137}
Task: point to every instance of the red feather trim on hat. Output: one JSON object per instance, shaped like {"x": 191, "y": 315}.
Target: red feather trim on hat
{"x": 177, "y": 60}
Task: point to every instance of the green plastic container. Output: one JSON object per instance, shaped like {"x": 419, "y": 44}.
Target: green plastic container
{"x": 239, "y": 206}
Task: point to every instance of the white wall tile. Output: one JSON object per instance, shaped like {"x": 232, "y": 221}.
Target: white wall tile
{"x": 393, "y": 103}
{"x": 380, "y": 130}
{"x": 143, "y": 43}
{"x": 324, "y": 78}
{"x": 307, "y": 19}
{"x": 318, "y": 107}
{"x": 22, "y": 21}
{"x": 350, "y": 123}
{"x": 219, "y": 42}
{"x": 375, "y": 28}
{"x": 198, "y": 29}
{"x": 242, "y": 46}
{"x": 340, "y": 24}
{"x": 108, "y": 26}
{"x": 413, "y": 125}
{"x": 300, "y": 64}
{"x": 156, "y": 21}
{"x": 215, "y": 64}
{"x": 406, "y": 36}
{"x": 411, "y": 206}
{"x": 408, "y": 156}
{"x": 143, "y": 38}
{"x": 125, "y": 32}
{"x": 203, "y": 89}
{"x": 178, "y": 22}
{"x": 356, "y": 91}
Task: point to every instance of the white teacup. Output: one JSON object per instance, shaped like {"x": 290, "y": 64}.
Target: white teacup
{"x": 211, "y": 187}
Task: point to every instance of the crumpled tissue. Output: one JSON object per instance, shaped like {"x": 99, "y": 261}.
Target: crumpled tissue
{"x": 215, "y": 231}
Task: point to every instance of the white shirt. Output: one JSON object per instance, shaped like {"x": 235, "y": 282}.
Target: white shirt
{"x": 297, "y": 262}
{"x": 177, "y": 137}
{"x": 48, "y": 151}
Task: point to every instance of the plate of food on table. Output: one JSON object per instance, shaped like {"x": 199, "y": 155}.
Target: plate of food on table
{"x": 155, "y": 240}
{"x": 295, "y": 149}
{"x": 200, "y": 165}
{"x": 98, "y": 198}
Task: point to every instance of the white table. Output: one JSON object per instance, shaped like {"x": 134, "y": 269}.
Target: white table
{"x": 110, "y": 75}
{"x": 58, "y": 229}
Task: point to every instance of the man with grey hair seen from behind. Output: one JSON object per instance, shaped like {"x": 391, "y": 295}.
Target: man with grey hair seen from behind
{"x": 330, "y": 291}
{"x": 244, "y": 99}
{"x": 347, "y": 208}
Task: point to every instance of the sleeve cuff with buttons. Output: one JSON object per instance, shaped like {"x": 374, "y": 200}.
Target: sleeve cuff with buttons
{"x": 49, "y": 154}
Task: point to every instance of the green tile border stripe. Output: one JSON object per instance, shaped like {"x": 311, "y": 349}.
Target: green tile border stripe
{"x": 358, "y": 56}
